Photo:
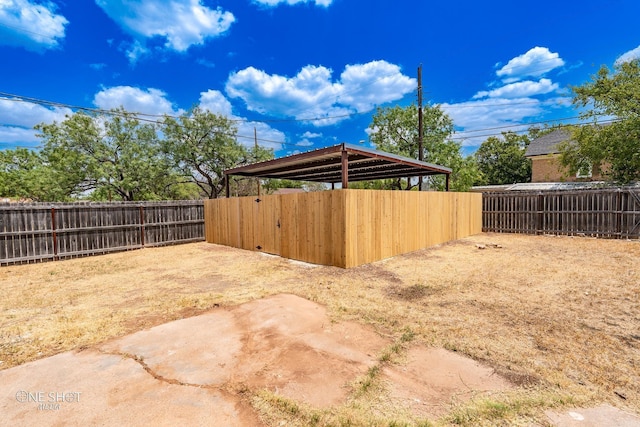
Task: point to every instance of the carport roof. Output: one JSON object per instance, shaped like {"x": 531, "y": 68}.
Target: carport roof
{"x": 340, "y": 163}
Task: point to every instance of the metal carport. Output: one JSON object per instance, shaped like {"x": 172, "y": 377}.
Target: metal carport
{"x": 341, "y": 163}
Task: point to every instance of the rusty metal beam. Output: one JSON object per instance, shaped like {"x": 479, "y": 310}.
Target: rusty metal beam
{"x": 345, "y": 168}
{"x": 340, "y": 163}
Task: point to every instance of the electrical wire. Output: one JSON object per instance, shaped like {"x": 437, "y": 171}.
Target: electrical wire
{"x": 458, "y": 136}
{"x": 24, "y": 30}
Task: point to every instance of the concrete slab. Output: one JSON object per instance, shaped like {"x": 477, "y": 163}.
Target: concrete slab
{"x": 90, "y": 388}
{"x": 601, "y": 416}
{"x": 189, "y": 372}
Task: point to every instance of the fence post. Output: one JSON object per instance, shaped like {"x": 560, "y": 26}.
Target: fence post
{"x": 142, "y": 225}
{"x": 619, "y": 213}
{"x": 540, "y": 214}
{"x": 54, "y": 234}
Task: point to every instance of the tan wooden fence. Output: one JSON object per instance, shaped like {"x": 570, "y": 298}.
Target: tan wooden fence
{"x": 344, "y": 228}
{"x": 605, "y": 213}
{"x": 50, "y": 231}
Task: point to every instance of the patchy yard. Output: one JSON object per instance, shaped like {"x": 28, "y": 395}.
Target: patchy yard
{"x": 557, "y": 316}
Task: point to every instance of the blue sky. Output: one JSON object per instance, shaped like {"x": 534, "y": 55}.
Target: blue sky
{"x": 306, "y": 73}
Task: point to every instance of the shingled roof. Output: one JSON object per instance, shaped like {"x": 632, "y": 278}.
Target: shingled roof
{"x": 547, "y": 144}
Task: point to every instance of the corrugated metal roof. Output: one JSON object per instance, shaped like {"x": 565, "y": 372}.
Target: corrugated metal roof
{"x": 541, "y": 186}
{"x": 325, "y": 165}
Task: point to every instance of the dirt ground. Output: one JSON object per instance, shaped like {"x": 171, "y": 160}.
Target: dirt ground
{"x": 557, "y": 317}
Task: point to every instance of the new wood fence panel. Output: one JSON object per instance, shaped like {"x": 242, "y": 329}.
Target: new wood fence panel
{"x": 605, "y": 213}
{"x": 45, "y": 231}
{"x": 381, "y": 224}
{"x": 344, "y": 228}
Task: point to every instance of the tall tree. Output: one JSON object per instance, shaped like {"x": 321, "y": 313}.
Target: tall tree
{"x": 108, "y": 156}
{"x": 614, "y": 146}
{"x": 202, "y": 145}
{"x": 501, "y": 160}
{"x": 26, "y": 174}
{"x": 395, "y": 130}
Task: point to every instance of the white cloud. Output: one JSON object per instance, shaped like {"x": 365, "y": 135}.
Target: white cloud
{"x": 27, "y": 114}
{"x": 374, "y": 83}
{"x": 535, "y": 63}
{"x": 518, "y": 98}
{"x": 206, "y": 63}
{"x": 490, "y": 113}
{"x": 311, "y": 135}
{"x": 217, "y": 103}
{"x": 34, "y": 26}
{"x": 20, "y": 117}
{"x": 182, "y": 23}
{"x": 12, "y": 136}
{"x": 520, "y": 89}
{"x": 267, "y": 136}
{"x": 272, "y": 3}
{"x": 133, "y": 99}
{"x": 135, "y": 51}
{"x": 311, "y": 94}
{"x": 304, "y": 143}
{"x": 628, "y": 56}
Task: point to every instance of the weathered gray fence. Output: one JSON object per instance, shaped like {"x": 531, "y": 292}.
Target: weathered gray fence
{"x": 606, "y": 213}
{"x": 50, "y": 231}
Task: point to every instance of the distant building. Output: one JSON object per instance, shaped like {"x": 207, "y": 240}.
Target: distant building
{"x": 545, "y": 160}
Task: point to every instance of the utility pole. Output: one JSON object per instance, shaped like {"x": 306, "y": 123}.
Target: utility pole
{"x": 420, "y": 154}
{"x": 255, "y": 140}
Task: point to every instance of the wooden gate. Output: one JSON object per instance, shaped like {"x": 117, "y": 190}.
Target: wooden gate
{"x": 267, "y": 224}
{"x": 251, "y": 223}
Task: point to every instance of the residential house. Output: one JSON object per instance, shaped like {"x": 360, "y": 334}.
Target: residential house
{"x": 545, "y": 160}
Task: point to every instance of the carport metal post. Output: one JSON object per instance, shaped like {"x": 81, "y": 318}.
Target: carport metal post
{"x": 345, "y": 168}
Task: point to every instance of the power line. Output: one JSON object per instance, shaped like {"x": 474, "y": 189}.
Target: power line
{"x": 122, "y": 113}
{"x": 520, "y": 125}
{"x": 20, "y": 98}
{"x": 559, "y": 125}
{"x": 24, "y": 30}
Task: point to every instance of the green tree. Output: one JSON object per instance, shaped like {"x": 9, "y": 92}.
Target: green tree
{"x": 273, "y": 184}
{"x": 395, "y": 130}
{"x": 616, "y": 146}
{"x": 107, "y": 157}
{"x": 202, "y": 145}
{"x": 25, "y": 174}
{"x": 501, "y": 160}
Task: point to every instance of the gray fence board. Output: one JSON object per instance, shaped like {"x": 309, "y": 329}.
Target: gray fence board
{"x": 43, "y": 231}
{"x": 606, "y": 213}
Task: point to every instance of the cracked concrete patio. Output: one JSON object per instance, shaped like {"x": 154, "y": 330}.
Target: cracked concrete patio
{"x": 196, "y": 371}
{"x": 203, "y": 370}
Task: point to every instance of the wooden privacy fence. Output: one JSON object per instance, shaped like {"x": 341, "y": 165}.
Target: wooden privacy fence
{"x": 344, "y": 228}
{"x": 51, "y": 231}
{"x": 607, "y": 213}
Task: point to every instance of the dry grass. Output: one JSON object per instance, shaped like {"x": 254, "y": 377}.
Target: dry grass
{"x": 559, "y": 316}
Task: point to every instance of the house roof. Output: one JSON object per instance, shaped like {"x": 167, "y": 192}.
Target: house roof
{"x": 547, "y": 144}
{"x": 326, "y": 165}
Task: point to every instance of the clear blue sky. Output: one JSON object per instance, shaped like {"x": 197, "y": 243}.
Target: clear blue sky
{"x": 306, "y": 73}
